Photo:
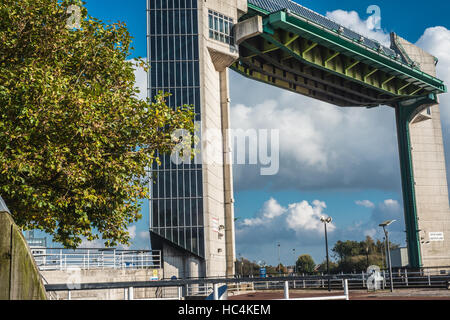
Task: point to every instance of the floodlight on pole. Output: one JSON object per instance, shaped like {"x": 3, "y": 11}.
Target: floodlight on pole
{"x": 384, "y": 225}
{"x": 325, "y": 221}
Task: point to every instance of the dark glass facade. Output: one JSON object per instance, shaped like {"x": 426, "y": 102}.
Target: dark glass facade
{"x": 176, "y": 204}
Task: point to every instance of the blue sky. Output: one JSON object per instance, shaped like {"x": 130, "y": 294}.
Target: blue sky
{"x": 361, "y": 158}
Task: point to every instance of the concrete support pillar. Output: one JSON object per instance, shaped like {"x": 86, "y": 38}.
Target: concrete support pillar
{"x": 420, "y": 159}
{"x": 227, "y": 175}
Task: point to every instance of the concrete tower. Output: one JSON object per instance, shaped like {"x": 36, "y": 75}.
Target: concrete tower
{"x": 192, "y": 221}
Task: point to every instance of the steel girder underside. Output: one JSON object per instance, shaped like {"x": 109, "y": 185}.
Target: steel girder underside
{"x": 295, "y": 54}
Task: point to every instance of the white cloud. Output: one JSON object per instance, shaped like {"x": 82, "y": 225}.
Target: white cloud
{"x": 321, "y": 146}
{"x": 365, "y": 203}
{"x": 275, "y": 222}
{"x": 352, "y": 21}
{"x": 302, "y": 216}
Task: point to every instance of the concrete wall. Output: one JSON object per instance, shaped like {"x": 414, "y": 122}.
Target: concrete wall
{"x": 73, "y": 276}
{"x": 430, "y": 176}
{"x": 19, "y": 275}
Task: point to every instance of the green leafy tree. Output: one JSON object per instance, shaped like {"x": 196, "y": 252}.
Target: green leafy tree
{"x": 75, "y": 140}
{"x": 305, "y": 264}
{"x": 353, "y": 256}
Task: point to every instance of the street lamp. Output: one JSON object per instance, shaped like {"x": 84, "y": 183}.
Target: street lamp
{"x": 279, "y": 259}
{"x": 384, "y": 225}
{"x": 295, "y": 260}
{"x": 325, "y": 221}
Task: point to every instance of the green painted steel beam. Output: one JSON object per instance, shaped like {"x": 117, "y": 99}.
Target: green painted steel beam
{"x": 299, "y": 25}
{"x": 289, "y": 69}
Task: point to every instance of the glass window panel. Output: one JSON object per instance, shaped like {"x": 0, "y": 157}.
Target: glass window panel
{"x": 201, "y": 245}
{"x": 184, "y": 74}
{"x": 194, "y": 22}
{"x": 166, "y": 74}
{"x": 194, "y": 212}
{"x": 175, "y": 235}
{"x": 182, "y": 236}
{"x": 180, "y": 183}
{"x": 211, "y": 21}
{"x": 189, "y": 22}
{"x": 187, "y": 192}
{"x": 168, "y": 215}
{"x": 193, "y": 182}
{"x": 187, "y": 213}
{"x": 183, "y": 21}
{"x": 190, "y": 48}
{"x": 195, "y": 45}
{"x": 194, "y": 240}
{"x": 199, "y": 183}
{"x": 167, "y": 184}
{"x": 177, "y": 22}
{"x": 155, "y": 213}
{"x": 161, "y": 189}
{"x": 172, "y": 46}
{"x": 200, "y": 212}
{"x": 161, "y": 217}
{"x": 183, "y": 47}
{"x": 174, "y": 213}
{"x": 158, "y": 23}
{"x": 189, "y": 238}
{"x": 165, "y": 47}
{"x": 190, "y": 81}
{"x": 181, "y": 212}
{"x": 172, "y": 77}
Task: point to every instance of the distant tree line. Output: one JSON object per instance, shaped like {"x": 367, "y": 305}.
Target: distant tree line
{"x": 346, "y": 256}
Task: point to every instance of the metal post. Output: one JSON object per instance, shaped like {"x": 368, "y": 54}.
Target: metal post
{"x": 286, "y": 290}
{"x": 180, "y": 293}
{"x": 346, "y": 289}
{"x": 88, "y": 258}
{"x": 130, "y": 293}
{"x": 328, "y": 260}
{"x": 363, "y": 279}
{"x": 429, "y": 280}
{"x": 406, "y": 277}
{"x": 216, "y": 291}
{"x": 69, "y": 295}
{"x": 389, "y": 259}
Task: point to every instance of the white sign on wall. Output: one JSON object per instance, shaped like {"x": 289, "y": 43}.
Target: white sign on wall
{"x": 436, "y": 236}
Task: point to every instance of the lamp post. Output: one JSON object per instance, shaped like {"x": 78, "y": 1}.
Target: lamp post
{"x": 295, "y": 261}
{"x": 325, "y": 221}
{"x": 367, "y": 256}
{"x": 279, "y": 259}
{"x": 384, "y": 225}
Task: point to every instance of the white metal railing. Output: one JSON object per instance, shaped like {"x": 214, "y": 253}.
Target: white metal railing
{"x": 62, "y": 259}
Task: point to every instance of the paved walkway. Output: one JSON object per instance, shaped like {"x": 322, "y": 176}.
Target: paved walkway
{"x": 399, "y": 294}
